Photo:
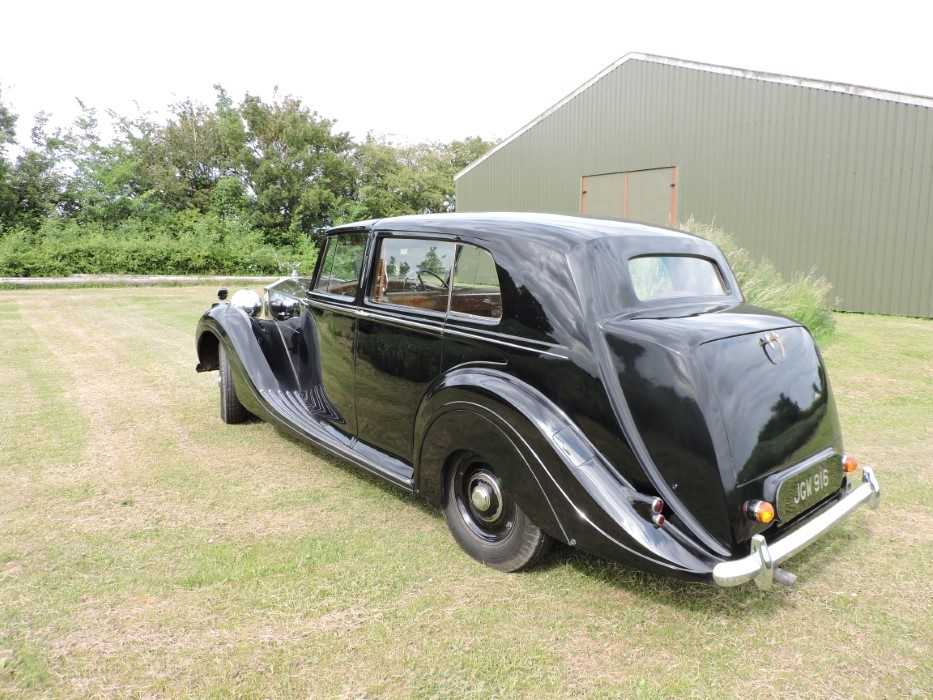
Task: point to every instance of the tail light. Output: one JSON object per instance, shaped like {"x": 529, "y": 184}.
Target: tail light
{"x": 759, "y": 511}
{"x": 849, "y": 464}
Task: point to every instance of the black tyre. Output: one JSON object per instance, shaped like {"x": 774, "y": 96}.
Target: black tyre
{"x": 231, "y": 410}
{"x": 486, "y": 522}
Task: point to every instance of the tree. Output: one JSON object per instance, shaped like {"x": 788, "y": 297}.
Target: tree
{"x": 415, "y": 179}
{"x": 201, "y": 149}
{"x": 136, "y": 171}
{"x": 455, "y": 156}
{"x": 268, "y": 171}
{"x": 7, "y": 127}
{"x": 297, "y": 168}
{"x": 100, "y": 183}
{"x": 7, "y": 138}
{"x": 38, "y": 180}
{"x": 432, "y": 263}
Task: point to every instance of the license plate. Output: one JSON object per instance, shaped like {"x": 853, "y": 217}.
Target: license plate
{"x": 800, "y": 491}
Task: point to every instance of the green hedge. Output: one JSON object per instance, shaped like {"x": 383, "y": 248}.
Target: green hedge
{"x": 187, "y": 244}
{"x": 805, "y": 297}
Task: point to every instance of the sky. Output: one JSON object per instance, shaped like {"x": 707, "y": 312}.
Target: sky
{"x": 419, "y": 71}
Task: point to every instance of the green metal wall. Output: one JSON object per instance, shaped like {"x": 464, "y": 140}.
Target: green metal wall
{"x": 805, "y": 176}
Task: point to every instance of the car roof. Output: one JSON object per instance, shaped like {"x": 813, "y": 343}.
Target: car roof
{"x": 556, "y": 231}
{"x": 552, "y": 259}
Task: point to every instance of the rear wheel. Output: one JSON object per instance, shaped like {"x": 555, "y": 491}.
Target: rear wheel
{"x": 231, "y": 410}
{"x": 486, "y": 521}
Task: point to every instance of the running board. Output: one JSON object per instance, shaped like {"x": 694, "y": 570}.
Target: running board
{"x": 305, "y": 414}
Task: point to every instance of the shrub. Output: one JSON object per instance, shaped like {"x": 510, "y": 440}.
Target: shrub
{"x": 186, "y": 243}
{"x": 805, "y": 297}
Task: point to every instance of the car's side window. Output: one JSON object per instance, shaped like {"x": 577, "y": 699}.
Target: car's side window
{"x": 476, "y": 284}
{"x": 413, "y": 272}
{"x": 341, "y": 264}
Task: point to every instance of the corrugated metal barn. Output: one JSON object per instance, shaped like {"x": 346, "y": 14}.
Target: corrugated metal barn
{"x": 805, "y": 172}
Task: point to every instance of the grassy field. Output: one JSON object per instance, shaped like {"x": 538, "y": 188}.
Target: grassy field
{"x": 147, "y": 549}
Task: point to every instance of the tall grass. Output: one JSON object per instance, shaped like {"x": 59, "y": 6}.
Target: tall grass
{"x": 805, "y": 297}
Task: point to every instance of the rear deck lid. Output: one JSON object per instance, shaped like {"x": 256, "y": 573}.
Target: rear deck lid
{"x": 774, "y": 398}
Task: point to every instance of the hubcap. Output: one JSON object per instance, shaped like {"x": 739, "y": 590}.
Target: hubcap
{"x": 481, "y": 498}
{"x": 485, "y": 496}
{"x": 486, "y": 509}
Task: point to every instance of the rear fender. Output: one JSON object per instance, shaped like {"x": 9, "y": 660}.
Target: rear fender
{"x": 465, "y": 425}
{"x": 555, "y": 473}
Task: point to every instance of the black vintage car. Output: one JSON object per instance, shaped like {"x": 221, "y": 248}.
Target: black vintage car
{"x": 540, "y": 378}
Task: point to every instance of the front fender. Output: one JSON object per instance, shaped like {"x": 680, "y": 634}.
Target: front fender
{"x": 559, "y": 479}
{"x": 228, "y": 326}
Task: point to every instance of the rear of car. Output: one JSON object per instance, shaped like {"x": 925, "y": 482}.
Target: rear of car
{"x": 731, "y": 402}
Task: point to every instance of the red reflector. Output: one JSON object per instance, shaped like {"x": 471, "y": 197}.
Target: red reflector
{"x": 658, "y": 519}
{"x": 657, "y": 505}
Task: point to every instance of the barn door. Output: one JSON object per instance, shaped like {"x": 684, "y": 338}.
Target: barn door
{"x": 648, "y": 196}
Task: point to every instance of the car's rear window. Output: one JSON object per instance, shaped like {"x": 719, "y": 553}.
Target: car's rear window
{"x": 674, "y": 276}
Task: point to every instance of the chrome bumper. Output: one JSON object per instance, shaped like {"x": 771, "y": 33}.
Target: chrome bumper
{"x": 760, "y": 565}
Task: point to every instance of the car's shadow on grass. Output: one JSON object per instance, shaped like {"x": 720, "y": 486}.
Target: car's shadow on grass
{"x": 733, "y": 603}
{"x": 728, "y": 603}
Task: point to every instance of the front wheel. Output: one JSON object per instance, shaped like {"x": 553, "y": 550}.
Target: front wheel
{"x": 486, "y": 522}
{"x": 231, "y": 410}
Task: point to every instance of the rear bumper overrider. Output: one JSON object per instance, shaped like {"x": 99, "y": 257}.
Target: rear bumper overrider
{"x": 766, "y": 557}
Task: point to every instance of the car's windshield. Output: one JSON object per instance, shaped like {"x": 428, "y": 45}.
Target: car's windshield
{"x": 674, "y": 276}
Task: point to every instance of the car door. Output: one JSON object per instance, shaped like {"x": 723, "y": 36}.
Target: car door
{"x": 400, "y": 337}
{"x": 332, "y": 303}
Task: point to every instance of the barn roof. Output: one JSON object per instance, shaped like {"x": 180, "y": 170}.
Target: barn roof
{"x": 829, "y": 86}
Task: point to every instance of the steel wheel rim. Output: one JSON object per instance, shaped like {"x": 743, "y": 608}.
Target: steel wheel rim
{"x": 485, "y": 507}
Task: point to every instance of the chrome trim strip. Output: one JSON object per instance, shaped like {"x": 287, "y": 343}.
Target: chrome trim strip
{"x": 394, "y": 310}
{"x": 437, "y": 328}
{"x": 496, "y": 334}
{"x": 315, "y": 301}
{"x": 496, "y": 341}
{"x": 765, "y": 558}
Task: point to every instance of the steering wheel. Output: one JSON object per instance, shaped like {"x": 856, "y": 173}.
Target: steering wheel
{"x": 433, "y": 274}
